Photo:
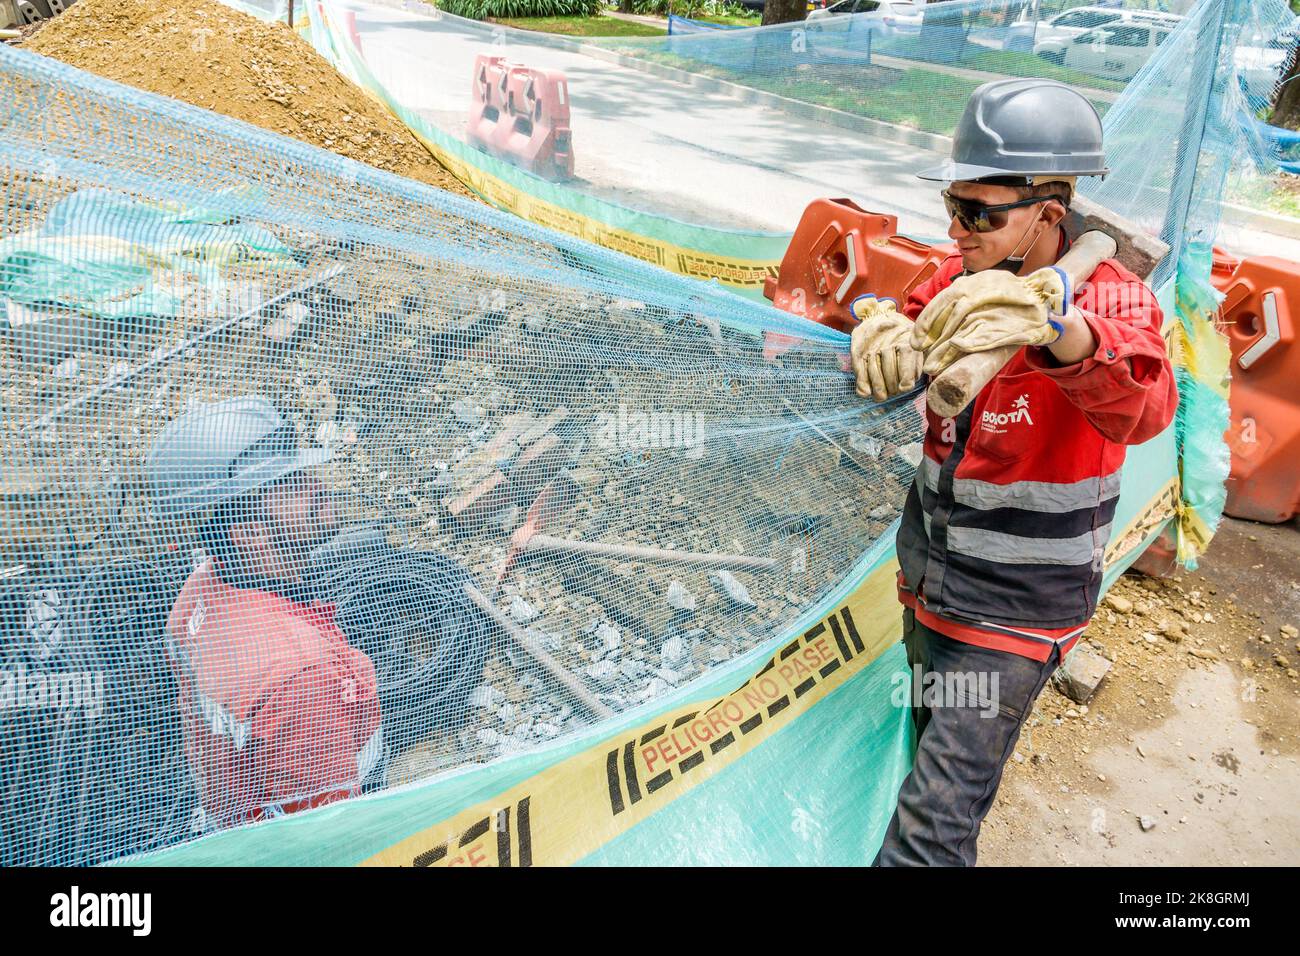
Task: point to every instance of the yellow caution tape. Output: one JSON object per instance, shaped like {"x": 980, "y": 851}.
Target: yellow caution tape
{"x": 562, "y": 814}
{"x": 1158, "y": 511}
{"x": 732, "y": 271}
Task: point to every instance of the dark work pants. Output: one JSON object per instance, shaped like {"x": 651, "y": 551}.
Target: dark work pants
{"x": 963, "y": 742}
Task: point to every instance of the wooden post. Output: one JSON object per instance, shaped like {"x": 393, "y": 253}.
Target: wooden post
{"x": 741, "y": 562}
{"x": 525, "y": 642}
{"x": 291, "y": 14}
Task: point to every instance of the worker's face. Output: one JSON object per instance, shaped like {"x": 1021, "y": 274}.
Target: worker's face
{"x": 296, "y": 515}
{"x": 1023, "y": 226}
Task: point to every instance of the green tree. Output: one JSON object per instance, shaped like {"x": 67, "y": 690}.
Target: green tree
{"x": 1286, "y": 100}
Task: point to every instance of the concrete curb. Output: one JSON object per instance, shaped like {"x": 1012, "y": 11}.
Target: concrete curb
{"x": 1272, "y": 223}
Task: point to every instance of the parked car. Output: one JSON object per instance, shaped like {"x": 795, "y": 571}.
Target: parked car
{"x": 1260, "y": 65}
{"x": 882, "y": 16}
{"x": 1053, "y": 38}
{"x": 1116, "y": 52}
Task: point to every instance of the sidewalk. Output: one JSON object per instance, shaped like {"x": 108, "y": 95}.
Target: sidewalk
{"x": 661, "y": 22}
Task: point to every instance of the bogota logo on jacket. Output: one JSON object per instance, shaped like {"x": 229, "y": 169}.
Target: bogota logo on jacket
{"x": 997, "y": 422}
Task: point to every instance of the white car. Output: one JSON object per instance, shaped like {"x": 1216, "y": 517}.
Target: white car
{"x": 1115, "y": 52}
{"x": 1118, "y": 52}
{"x": 886, "y": 17}
{"x": 1260, "y": 67}
{"x": 1053, "y": 38}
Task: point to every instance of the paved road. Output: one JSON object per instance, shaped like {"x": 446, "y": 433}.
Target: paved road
{"x": 666, "y": 147}
{"x": 654, "y": 144}
{"x": 1245, "y": 240}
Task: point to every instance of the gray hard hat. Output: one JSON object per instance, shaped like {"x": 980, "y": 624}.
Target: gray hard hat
{"x": 219, "y": 451}
{"x": 1024, "y": 127}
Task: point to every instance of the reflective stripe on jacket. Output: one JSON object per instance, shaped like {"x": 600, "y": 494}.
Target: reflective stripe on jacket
{"x": 1005, "y": 527}
{"x": 280, "y": 712}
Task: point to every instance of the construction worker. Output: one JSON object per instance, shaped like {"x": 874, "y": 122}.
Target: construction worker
{"x": 1004, "y": 530}
{"x": 279, "y": 712}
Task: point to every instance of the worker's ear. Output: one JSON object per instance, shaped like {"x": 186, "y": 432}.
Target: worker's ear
{"x": 1053, "y": 213}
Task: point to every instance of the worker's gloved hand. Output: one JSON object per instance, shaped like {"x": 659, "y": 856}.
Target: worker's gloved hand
{"x": 883, "y": 361}
{"x": 988, "y": 310}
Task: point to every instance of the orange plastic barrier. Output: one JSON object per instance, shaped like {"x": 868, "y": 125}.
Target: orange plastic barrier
{"x": 1160, "y": 559}
{"x": 350, "y": 21}
{"x": 840, "y": 251}
{"x": 521, "y": 115}
{"x": 1264, "y": 484}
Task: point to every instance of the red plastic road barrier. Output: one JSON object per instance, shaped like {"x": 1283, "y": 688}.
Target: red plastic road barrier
{"x": 350, "y": 19}
{"x": 1160, "y": 559}
{"x": 521, "y": 115}
{"x": 840, "y": 251}
{"x": 1264, "y": 435}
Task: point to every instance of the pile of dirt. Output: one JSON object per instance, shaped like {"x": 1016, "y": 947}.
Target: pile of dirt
{"x": 211, "y": 56}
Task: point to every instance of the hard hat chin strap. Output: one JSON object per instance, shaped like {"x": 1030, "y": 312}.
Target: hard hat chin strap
{"x": 1013, "y": 263}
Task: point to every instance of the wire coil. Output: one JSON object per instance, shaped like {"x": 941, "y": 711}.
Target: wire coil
{"x": 408, "y": 612}
{"x": 96, "y": 766}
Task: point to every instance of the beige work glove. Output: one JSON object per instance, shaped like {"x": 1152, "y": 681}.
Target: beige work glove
{"x": 988, "y": 310}
{"x": 883, "y": 361}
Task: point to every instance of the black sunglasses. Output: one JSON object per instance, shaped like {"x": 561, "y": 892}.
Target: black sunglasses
{"x": 978, "y": 217}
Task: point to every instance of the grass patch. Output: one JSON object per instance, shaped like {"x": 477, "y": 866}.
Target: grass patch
{"x": 1008, "y": 63}
{"x": 918, "y": 98}
{"x": 1026, "y": 64}
{"x": 732, "y": 20}
{"x": 1279, "y": 193}
{"x": 598, "y": 26}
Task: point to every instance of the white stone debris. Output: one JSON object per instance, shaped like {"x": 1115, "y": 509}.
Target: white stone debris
{"x": 726, "y": 582}
{"x": 521, "y": 610}
{"x": 678, "y": 598}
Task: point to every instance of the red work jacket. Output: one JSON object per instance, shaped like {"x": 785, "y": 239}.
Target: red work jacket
{"x": 1005, "y": 527}
{"x": 280, "y": 713}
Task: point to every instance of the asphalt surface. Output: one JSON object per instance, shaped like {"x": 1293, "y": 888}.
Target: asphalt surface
{"x": 669, "y": 148}
{"x": 657, "y": 145}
